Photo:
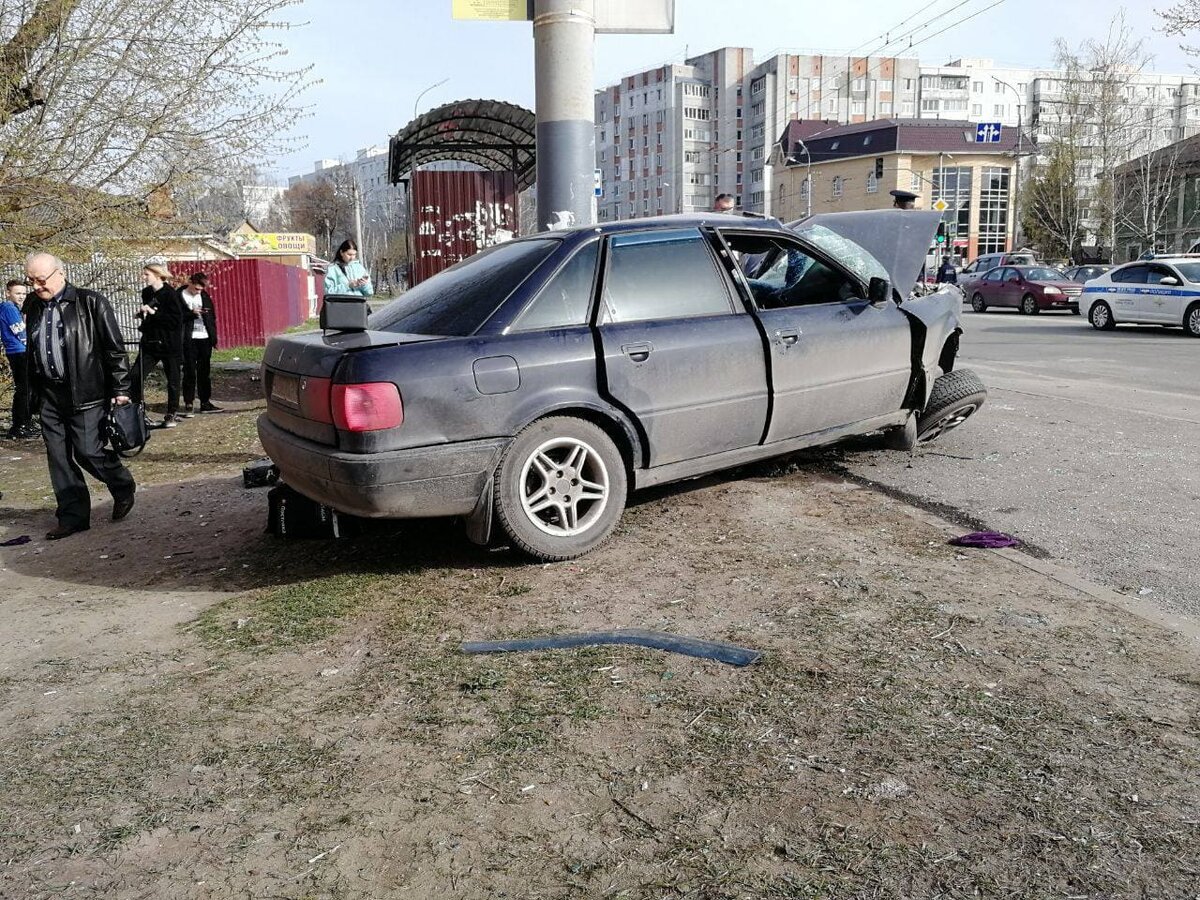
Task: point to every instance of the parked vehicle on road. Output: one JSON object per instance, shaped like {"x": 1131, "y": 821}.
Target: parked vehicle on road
{"x": 984, "y": 264}
{"x": 537, "y": 383}
{"x": 1086, "y": 273}
{"x": 1162, "y": 291}
{"x": 1029, "y": 289}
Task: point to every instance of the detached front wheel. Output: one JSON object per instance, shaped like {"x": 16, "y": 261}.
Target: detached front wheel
{"x": 560, "y": 488}
{"x": 954, "y": 399}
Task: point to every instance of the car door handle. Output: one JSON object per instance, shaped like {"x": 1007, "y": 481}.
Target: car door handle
{"x": 638, "y": 352}
{"x": 787, "y": 338}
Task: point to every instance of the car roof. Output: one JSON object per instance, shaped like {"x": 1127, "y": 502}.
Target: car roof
{"x": 1178, "y": 258}
{"x": 682, "y": 220}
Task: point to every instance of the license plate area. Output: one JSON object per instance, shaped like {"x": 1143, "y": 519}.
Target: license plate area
{"x": 285, "y": 389}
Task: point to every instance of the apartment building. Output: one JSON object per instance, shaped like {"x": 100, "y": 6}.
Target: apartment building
{"x": 669, "y": 139}
{"x": 807, "y": 87}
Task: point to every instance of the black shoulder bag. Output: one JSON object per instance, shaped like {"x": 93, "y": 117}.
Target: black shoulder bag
{"x": 125, "y": 426}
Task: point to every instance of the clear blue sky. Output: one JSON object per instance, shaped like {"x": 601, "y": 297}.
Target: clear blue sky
{"x": 374, "y": 57}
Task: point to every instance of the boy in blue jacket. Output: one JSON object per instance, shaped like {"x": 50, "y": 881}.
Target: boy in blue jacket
{"x": 12, "y": 333}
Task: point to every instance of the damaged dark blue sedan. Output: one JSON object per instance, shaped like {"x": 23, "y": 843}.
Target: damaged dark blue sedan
{"x": 537, "y": 383}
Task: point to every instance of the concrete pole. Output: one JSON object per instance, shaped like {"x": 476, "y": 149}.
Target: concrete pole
{"x": 564, "y": 34}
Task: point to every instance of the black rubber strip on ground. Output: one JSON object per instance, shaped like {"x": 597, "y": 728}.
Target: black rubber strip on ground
{"x": 640, "y": 637}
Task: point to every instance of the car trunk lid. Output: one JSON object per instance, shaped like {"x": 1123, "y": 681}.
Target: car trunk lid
{"x": 298, "y": 374}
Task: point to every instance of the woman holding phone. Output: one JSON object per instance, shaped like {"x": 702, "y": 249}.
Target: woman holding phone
{"x": 347, "y": 275}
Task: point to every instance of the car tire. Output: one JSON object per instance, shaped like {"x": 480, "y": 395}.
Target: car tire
{"x": 1191, "y": 320}
{"x": 953, "y": 400}
{"x": 1029, "y": 305}
{"x": 1101, "y": 317}
{"x": 553, "y": 503}
{"x": 978, "y": 304}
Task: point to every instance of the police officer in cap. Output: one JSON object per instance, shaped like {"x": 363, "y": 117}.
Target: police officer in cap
{"x": 903, "y": 199}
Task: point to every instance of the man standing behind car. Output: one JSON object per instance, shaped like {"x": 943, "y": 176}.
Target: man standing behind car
{"x": 78, "y": 366}
{"x": 199, "y": 341}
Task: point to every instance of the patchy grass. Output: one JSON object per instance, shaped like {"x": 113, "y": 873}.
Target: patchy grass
{"x": 275, "y": 618}
{"x": 255, "y": 354}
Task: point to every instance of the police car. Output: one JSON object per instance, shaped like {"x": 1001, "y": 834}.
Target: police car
{"x": 1163, "y": 290}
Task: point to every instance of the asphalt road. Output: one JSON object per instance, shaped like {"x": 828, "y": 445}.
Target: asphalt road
{"x": 1088, "y": 448}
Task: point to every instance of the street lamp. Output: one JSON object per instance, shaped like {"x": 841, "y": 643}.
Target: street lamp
{"x": 807, "y": 175}
{"x": 1017, "y": 162}
{"x": 417, "y": 102}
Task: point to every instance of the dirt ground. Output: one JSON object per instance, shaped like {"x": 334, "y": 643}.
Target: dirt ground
{"x": 190, "y": 708}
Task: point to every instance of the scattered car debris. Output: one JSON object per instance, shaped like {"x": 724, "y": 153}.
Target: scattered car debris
{"x": 260, "y": 473}
{"x": 17, "y": 541}
{"x": 990, "y": 540}
{"x": 641, "y": 637}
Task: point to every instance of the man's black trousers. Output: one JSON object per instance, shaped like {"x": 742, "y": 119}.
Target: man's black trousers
{"x": 74, "y": 445}
{"x": 197, "y": 366}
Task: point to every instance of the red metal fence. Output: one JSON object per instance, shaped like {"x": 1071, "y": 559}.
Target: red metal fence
{"x": 457, "y": 214}
{"x": 254, "y": 298}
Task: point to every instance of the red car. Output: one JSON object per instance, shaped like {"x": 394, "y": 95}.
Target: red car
{"x": 1027, "y": 288}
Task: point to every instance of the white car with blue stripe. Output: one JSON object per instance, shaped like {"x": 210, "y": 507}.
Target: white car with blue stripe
{"x": 1164, "y": 290}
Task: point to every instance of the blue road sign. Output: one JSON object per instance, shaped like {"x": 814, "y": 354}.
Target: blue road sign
{"x": 988, "y": 132}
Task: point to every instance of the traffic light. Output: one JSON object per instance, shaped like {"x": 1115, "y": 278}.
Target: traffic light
{"x": 941, "y": 233}
{"x": 879, "y": 167}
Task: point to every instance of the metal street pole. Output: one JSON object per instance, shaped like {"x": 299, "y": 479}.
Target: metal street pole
{"x": 564, "y": 34}
{"x": 1016, "y": 206}
{"x": 808, "y": 179}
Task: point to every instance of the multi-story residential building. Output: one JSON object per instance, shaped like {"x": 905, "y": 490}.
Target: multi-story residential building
{"x": 807, "y": 87}
{"x": 670, "y": 139}
{"x": 977, "y": 90}
{"x": 854, "y": 167}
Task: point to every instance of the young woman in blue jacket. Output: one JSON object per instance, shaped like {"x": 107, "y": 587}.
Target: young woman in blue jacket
{"x": 347, "y": 275}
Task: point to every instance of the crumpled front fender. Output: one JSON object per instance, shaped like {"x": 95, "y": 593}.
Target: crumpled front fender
{"x": 935, "y": 318}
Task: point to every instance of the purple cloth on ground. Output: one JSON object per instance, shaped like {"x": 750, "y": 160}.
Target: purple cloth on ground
{"x": 987, "y": 539}
{"x": 17, "y": 541}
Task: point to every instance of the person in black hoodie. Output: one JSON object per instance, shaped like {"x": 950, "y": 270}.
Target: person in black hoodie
{"x": 199, "y": 341}
{"x": 162, "y": 337}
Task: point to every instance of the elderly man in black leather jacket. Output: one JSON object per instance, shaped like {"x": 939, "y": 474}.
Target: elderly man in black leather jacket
{"x": 78, "y": 366}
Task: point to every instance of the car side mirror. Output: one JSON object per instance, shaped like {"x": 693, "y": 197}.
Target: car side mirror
{"x": 1169, "y": 279}
{"x": 344, "y": 312}
{"x": 879, "y": 291}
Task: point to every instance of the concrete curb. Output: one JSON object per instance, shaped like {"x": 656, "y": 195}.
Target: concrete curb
{"x": 1179, "y": 624}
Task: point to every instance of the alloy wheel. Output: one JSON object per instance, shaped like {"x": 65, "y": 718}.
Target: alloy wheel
{"x": 564, "y": 487}
{"x": 949, "y": 421}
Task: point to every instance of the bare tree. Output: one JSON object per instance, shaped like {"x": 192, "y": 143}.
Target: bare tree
{"x": 1053, "y": 211}
{"x": 1148, "y": 192}
{"x": 323, "y": 207}
{"x": 1105, "y": 115}
{"x": 108, "y": 108}
{"x": 1181, "y": 20}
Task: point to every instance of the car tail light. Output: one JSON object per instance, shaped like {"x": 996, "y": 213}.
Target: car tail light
{"x": 367, "y": 407}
